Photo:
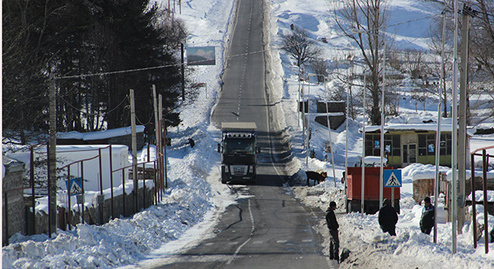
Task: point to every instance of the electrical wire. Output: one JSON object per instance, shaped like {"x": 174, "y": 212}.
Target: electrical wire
{"x": 89, "y": 113}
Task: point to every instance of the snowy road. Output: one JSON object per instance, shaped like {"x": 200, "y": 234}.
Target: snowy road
{"x": 270, "y": 227}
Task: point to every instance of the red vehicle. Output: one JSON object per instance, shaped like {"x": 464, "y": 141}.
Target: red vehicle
{"x": 371, "y": 191}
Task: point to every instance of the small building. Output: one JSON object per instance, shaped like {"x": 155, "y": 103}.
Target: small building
{"x": 117, "y": 136}
{"x": 405, "y": 144}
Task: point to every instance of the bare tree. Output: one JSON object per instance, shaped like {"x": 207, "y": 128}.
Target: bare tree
{"x": 438, "y": 48}
{"x": 320, "y": 67}
{"x": 300, "y": 47}
{"x": 362, "y": 21}
{"x": 482, "y": 36}
{"x": 481, "y": 50}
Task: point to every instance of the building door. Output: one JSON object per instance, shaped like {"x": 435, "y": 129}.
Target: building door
{"x": 409, "y": 154}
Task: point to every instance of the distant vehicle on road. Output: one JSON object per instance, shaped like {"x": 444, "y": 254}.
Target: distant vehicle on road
{"x": 238, "y": 150}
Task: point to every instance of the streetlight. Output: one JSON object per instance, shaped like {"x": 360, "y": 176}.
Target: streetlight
{"x": 381, "y": 145}
{"x": 381, "y": 177}
{"x": 329, "y": 136}
{"x": 454, "y": 138}
{"x": 363, "y": 146}
{"x": 308, "y": 121}
{"x": 350, "y": 58}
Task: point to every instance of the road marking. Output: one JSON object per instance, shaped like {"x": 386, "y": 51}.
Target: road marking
{"x": 250, "y": 237}
{"x": 281, "y": 241}
{"x": 307, "y": 240}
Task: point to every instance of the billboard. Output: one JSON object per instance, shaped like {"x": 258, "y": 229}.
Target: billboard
{"x": 201, "y": 56}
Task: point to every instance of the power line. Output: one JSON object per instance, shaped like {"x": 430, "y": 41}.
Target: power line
{"x": 89, "y": 113}
{"x": 153, "y": 67}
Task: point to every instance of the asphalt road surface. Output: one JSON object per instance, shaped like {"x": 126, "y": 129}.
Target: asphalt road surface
{"x": 270, "y": 229}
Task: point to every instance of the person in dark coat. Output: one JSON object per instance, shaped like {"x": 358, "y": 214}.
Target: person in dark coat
{"x": 388, "y": 218}
{"x": 427, "y": 220}
{"x": 191, "y": 142}
{"x": 334, "y": 245}
{"x": 149, "y": 133}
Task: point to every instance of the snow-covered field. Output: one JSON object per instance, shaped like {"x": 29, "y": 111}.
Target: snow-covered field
{"x": 196, "y": 198}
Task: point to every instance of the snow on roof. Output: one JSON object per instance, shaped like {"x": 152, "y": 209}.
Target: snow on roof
{"x": 100, "y": 134}
{"x": 374, "y": 159}
{"x": 429, "y": 127}
{"x": 226, "y": 126}
{"x": 418, "y": 171}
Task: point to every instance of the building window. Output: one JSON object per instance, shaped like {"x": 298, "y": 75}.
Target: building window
{"x": 427, "y": 143}
{"x": 445, "y": 144}
{"x": 373, "y": 145}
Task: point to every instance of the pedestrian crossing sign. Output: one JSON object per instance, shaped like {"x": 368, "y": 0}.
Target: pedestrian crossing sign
{"x": 392, "y": 178}
{"x": 75, "y": 186}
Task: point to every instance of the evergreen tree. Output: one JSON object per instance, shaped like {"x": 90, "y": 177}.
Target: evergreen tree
{"x": 80, "y": 43}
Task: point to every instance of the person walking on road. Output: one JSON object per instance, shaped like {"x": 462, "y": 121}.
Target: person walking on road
{"x": 427, "y": 220}
{"x": 388, "y": 217}
{"x": 334, "y": 245}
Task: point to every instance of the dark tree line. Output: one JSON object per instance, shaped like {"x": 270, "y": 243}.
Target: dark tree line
{"x": 70, "y": 41}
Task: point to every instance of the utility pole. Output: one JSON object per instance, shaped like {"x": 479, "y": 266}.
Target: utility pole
{"x": 157, "y": 140}
{"x": 52, "y": 160}
{"x": 156, "y": 119}
{"x": 164, "y": 145}
{"x": 364, "y": 97}
{"x": 462, "y": 136}
{"x": 183, "y": 71}
{"x": 454, "y": 134}
{"x": 443, "y": 69}
{"x": 381, "y": 177}
{"x": 134, "y": 148}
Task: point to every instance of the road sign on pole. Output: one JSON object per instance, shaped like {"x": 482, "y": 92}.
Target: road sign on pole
{"x": 75, "y": 186}
{"x": 392, "y": 178}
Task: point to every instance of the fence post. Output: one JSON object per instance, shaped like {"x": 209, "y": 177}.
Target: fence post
{"x": 144, "y": 185}
{"x": 123, "y": 194}
{"x": 484, "y": 174}
{"x": 136, "y": 188}
{"x": 6, "y": 217}
{"x": 69, "y": 185}
{"x": 155, "y": 186}
{"x": 83, "y": 192}
{"x": 33, "y": 198}
{"x": 111, "y": 181}
{"x": 474, "y": 211}
{"x": 100, "y": 203}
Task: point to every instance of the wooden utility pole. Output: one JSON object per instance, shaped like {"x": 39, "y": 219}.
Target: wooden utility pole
{"x": 454, "y": 135}
{"x": 52, "y": 161}
{"x": 183, "y": 70}
{"x": 164, "y": 145}
{"x": 156, "y": 119}
{"x": 134, "y": 148}
{"x": 462, "y": 134}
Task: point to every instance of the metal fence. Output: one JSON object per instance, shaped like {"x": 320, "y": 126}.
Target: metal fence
{"x": 149, "y": 170}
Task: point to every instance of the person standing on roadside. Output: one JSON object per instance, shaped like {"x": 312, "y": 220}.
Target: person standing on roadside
{"x": 333, "y": 226}
{"x": 388, "y": 217}
{"x": 427, "y": 219}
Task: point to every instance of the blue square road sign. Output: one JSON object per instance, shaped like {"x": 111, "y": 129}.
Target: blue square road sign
{"x": 392, "y": 178}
